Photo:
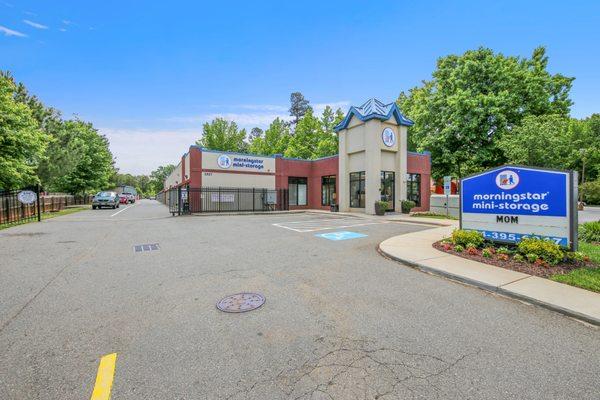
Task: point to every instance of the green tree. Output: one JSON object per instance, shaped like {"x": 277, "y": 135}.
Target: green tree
{"x": 307, "y": 135}
{"x": 224, "y": 135}
{"x": 89, "y": 163}
{"x": 158, "y": 176}
{"x": 584, "y": 143}
{"x": 298, "y": 106}
{"x": 474, "y": 99}
{"x": 523, "y": 144}
{"x": 274, "y": 141}
{"x": 328, "y": 141}
{"x": 22, "y": 142}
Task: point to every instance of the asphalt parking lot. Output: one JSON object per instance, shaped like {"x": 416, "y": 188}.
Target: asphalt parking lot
{"x": 339, "y": 322}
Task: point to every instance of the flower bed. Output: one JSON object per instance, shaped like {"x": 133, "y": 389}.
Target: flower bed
{"x": 532, "y": 256}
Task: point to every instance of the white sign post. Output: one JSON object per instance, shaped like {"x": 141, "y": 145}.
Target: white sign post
{"x": 447, "y": 191}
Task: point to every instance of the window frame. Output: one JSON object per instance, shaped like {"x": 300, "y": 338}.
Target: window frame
{"x": 413, "y": 181}
{"x": 326, "y": 183}
{"x": 298, "y": 181}
{"x": 361, "y": 178}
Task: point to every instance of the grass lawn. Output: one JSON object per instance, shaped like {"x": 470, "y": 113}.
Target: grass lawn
{"x": 585, "y": 278}
{"x": 49, "y": 215}
{"x": 432, "y": 215}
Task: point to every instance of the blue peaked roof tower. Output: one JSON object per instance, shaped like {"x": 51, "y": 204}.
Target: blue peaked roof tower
{"x": 374, "y": 109}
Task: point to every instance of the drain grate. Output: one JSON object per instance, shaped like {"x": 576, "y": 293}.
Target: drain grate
{"x": 241, "y": 302}
{"x": 139, "y": 248}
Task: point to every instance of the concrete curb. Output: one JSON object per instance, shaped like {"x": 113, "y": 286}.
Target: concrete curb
{"x": 491, "y": 288}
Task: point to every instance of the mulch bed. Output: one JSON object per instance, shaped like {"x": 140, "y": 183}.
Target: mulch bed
{"x": 525, "y": 267}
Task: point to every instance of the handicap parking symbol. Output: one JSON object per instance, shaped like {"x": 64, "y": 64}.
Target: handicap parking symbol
{"x": 343, "y": 235}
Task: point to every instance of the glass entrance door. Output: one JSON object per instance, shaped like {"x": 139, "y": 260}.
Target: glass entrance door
{"x": 388, "y": 181}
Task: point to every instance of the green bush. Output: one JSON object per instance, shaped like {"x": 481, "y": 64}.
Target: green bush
{"x": 590, "y": 232}
{"x": 464, "y": 238}
{"x": 519, "y": 258}
{"x": 459, "y": 249}
{"x": 503, "y": 250}
{"x": 590, "y": 192}
{"x": 381, "y": 206}
{"x": 545, "y": 249}
{"x": 407, "y": 205}
{"x": 487, "y": 253}
{"x": 531, "y": 257}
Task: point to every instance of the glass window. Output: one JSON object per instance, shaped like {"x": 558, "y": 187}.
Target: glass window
{"x": 298, "y": 191}
{"x": 357, "y": 189}
{"x": 413, "y": 190}
{"x": 328, "y": 190}
{"x": 388, "y": 180}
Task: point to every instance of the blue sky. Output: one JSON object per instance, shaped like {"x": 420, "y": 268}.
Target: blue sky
{"x": 148, "y": 73}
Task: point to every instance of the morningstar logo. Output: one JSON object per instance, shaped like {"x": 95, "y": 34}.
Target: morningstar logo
{"x": 224, "y": 161}
{"x": 507, "y": 180}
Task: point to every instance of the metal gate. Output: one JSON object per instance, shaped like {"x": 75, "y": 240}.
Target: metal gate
{"x": 185, "y": 200}
{"x": 19, "y": 206}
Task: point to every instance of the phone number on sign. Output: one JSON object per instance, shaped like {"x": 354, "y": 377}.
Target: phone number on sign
{"x": 517, "y": 237}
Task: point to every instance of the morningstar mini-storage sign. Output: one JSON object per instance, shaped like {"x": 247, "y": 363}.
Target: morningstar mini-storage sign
{"x": 509, "y": 203}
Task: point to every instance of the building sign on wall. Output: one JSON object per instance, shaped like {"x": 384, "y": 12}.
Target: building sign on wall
{"x": 389, "y": 137}
{"x": 226, "y": 161}
{"x": 510, "y": 203}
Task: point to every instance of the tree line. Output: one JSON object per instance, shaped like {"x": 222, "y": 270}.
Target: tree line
{"x": 482, "y": 109}
{"x": 39, "y": 147}
{"x": 306, "y": 136}
{"x": 479, "y": 110}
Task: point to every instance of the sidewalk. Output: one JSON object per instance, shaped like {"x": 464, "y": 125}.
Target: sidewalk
{"x": 394, "y": 217}
{"x": 415, "y": 249}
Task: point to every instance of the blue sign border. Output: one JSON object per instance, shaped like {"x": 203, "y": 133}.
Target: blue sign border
{"x": 572, "y": 198}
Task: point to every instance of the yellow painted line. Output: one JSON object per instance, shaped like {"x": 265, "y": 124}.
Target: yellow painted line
{"x": 104, "y": 378}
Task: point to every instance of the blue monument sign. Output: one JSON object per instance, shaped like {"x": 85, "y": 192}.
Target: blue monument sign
{"x": 510, "y": 203}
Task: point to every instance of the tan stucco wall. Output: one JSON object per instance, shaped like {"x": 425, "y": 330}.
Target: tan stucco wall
{"x": 174, "y": 178}
{"x": 233, "y": 180}
{"x": 361, "y": 148}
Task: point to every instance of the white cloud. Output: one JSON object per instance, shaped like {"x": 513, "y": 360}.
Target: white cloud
{"x": 34, "y": 24}
{"x": 10, "y": 32}
{"x": 140, "y": 151}
{"x": 319, "y": 107}
{"x": 66, "y": 22}
{"x": 62, "y": 29}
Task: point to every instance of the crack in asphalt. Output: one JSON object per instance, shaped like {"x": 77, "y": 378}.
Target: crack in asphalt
{"x": 346, "y": 368}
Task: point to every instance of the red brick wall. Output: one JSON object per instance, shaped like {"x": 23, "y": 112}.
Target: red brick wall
{"x": 312, "y": 170}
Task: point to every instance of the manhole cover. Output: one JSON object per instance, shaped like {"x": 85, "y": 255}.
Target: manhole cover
{"x": 241, "y": 302}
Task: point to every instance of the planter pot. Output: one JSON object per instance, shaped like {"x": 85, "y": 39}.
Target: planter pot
{"x": 379, "y": 210}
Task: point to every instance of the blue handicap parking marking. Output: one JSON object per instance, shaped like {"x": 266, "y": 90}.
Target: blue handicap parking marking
{"x": 342, "y": 235}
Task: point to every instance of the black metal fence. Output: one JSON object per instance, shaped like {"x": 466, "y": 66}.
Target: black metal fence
{"x": 19, "y": 206}
{"x": 185, "y": 200}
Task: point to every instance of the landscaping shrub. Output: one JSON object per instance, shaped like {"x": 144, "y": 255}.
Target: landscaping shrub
{"x": 591, "y": 192}
{"x": 519, "y": 258}
{"x": 503, "y": 250}
{"x": 491, "y": 249}
{"x": 503, "y": 257}
{"x": 459, "y": 249}
{"x": 487, "y": 253}
{"x": 472, "y": 250}
{"x": 464, "y": 238}
{"x": 531, "y": 257}
{"x": 541, "y": 263}
{"x": 590, "y": 232}
{"x": 544, "y": 249}
{"x": 380, "y": 207}
{"x": 407, "y": 205}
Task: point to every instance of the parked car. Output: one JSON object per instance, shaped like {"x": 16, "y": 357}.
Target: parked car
{"x": 130, "y": 197}
{"x": 105, "y": 199}
{"x": 123, "y": 199}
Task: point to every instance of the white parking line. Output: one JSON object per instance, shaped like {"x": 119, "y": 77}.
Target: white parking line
{"x": 126, "y": 208}
{"x": 313, "y": 226}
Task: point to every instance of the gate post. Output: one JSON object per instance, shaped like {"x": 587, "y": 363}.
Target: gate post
{"x": 178, "y": 200}
{"x": 37, "y": 192}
